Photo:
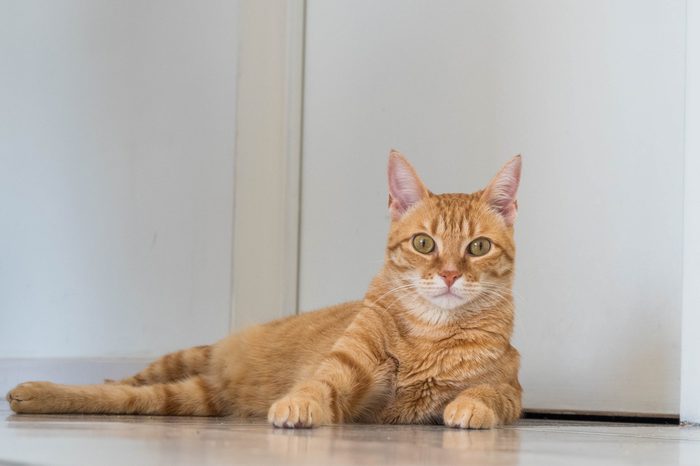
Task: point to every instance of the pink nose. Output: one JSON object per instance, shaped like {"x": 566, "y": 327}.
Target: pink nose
{"x": 449, "y": 277}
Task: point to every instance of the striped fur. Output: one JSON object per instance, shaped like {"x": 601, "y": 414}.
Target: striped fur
{"x": 172, "y": 367}
{"x": 401, "y": 355}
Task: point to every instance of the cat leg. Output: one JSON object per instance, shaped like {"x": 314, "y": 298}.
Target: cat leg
{"x": 333, "y": 395}
{"x": 344, "y": 386}
{"x": 172, "y": 367}
{"x": 196, "y": 396}
{"x": 484, "y": 406}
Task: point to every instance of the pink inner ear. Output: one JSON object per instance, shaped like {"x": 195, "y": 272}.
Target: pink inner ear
{"x": 502, "y": 191}
{"x": 405, "y": 188}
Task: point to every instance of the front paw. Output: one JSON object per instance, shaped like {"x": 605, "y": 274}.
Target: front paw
{"x": 469, "y": 413}
{"x": 32, "y": 397}
{"x": 294, "y": 411}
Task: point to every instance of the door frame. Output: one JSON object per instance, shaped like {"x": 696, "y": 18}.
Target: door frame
{"x": 269, "y": 112}
{"x": 690, "y": 341}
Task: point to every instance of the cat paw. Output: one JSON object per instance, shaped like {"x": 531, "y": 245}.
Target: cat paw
{"x": 32, "y": 397}
{"x": 469, "y": 413}
{"x": 297, "y": 412}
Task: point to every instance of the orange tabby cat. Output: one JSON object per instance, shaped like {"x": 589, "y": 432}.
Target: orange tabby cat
{"x": 430, "y": 342}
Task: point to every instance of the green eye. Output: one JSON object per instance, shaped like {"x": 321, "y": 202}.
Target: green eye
{"x": 479, "y": 247}
{"x": 423, "y": 243}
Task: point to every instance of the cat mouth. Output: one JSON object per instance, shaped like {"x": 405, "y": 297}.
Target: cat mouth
{"x": 447, "y": 300}
{"x": 448, "y": 294}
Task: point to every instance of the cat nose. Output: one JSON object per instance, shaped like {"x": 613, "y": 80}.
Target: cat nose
{"x": 449, "y": 277}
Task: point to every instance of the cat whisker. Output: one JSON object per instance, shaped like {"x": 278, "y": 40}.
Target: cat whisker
{"x": 479, "y": 288}
{"x": 394, "y": 290}
{"x": 407, "y": 293}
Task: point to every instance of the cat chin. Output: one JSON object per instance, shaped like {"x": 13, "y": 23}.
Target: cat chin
{"x": 447, "y": 302}
{"x": 434, "y": 315}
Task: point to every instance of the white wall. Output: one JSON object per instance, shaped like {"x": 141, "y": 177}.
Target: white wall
{"x": 117, "y": 122}
{"x": 592, "y": 94}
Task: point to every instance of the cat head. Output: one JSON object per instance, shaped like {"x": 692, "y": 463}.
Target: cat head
{"x": 451, "y": 251}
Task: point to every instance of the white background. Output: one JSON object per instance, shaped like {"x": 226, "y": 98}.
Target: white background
{"x": 117, "y": 132}
{"x": 592, "y": 95}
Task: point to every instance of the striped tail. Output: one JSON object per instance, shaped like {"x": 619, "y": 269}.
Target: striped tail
{"x": 172, "y": 367}
{"x": 196, "y": 396}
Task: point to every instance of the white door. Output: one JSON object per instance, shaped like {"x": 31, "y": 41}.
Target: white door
{"x": 591, "y": 93}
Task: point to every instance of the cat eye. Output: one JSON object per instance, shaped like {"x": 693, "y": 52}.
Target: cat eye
{"x": 479, "y": 247}
{"x": 423, "y": 243}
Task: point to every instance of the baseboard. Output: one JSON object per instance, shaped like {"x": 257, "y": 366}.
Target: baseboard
{"x": 600, "y": 416}
{"x": 66, "y": 370}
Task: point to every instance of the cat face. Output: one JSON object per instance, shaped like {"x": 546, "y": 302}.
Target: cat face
{"x": 451, "y": 251}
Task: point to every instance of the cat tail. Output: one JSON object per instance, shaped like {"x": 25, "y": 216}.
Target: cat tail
{"x": 194, "y": 396}
{"x": 172, "y": 367}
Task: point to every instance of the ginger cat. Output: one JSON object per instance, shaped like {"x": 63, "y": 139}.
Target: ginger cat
{"x": 430, "y": 342}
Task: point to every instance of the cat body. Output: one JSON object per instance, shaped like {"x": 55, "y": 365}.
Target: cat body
{"x": 429, "y": 343}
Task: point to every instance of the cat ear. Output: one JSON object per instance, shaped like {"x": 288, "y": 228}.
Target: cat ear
{"x": 405, "y": 188}
{"x": 501, "y": 192}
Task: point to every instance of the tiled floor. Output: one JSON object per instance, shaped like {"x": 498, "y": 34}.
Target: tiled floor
{"x": 130, "y": 440}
